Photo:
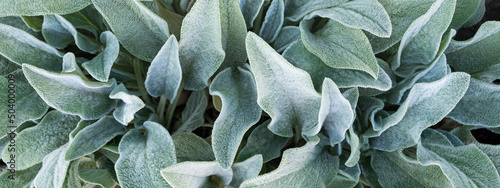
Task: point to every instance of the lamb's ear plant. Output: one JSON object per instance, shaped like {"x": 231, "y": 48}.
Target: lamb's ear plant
{"x": 248, "y": 93}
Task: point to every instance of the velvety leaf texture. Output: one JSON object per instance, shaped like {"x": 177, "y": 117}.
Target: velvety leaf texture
{"x": 190, "y": 147}
{"x": 273, "y": 21}
{"x": 250, "y": 10}
{"x": 127, "y": 105}
{"x": 262, "y": 141}
{"x": 195, "y": 174}
{"x": 234, "y": 32}
{"x": 192, "y": 115}
{"x": 54, "y": 169}
{"x": 285, "y": 92}
{"x": 295, "y": 10}
{"x": 41, "y": 7}
{"x": 100, "y": 66}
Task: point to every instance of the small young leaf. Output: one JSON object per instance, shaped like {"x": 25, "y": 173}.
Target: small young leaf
{"x": 195, "y": 174}
{"x": 165, "y": 74}
{"x": 131, "y": 22}
{"x": 285, "y": 92}
{"x": 70, "y": 93}
{"x": 250, "y": 10}
{"x": 193, "y": 115}
{"x": 368, "y": 15}
{"x": 40, "y": 7}
{"x": 142, "y": 156}
{"x": 239, "y": 112}
{"x": 295, "y": 10}
{"x": 190, "y": 147}
{"x": 59, "y": 32}
{"x": 264, "y": 142}
{"x": 54, "y": 169}
{"x": 127, "y": 106}
{"x": 34, "y": 143}
{"x": 28, "y": 49}
{"x": 340, "y": 46}
{"x": 100, "y": 66}
{"x": 233, "y": 32}
{"x": 201, "y": 53}
{"x": 273, "y": 21}
{"x": 91, "y": 138}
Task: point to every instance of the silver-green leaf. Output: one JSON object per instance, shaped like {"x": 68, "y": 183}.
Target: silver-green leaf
{"x": 273, "y": 21}
{"x": 100, "y": 66}
{"x": 40, "y": 7}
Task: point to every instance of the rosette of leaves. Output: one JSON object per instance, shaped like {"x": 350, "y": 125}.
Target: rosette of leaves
{"x": 248, "y": 93}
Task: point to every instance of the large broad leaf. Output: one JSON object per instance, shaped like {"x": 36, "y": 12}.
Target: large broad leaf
{"x": 340, "y": 46}
{"x": 401, "y": 14}
{"x": 285, "y": 92}
{"x": 250, "y": 10}
{"x": 264, "y": 142}
{"x": 23, "y": 99}
{"x": 7, "y": 66}
{"x": 299, "y": 56}
{"x": 273, "y": 21}
{"x": 246, "y": 169}
{"x": 421, "y": 41}
{"x": 395, "y": 169}
{"x": 21, "y": 179}
{"x": 131, "y": 21}
{"x": 436, "y": 99}
{"x": 201, "y": 53}
{"x": 91, "y": 138}
{"x": 40, "y": 7}
{"x": 70, "y": 93}
{"x": 196, "y": 174}
{"x": 479, "y": 106}
{"x": 33, "y": 143}
{"x": 368, "y": 15}
{"x": 100, "y": 66}
{"x": 239, "y": 112}
{"x": 59, "y": 32}
{"x": 191, "y": 147}
{"x": 165, "y": 74}
{"x": 477, "y": 53}
{"x": 127, "y": 105}
{"x": 308, "y": 166}
{"x": 192, "y": 116}
{"x": 233, "y": 32}
{"x": 143, "y": 155}
{"x": 464, "y": 10}
{"x": 295, "y": 10}
{"x": 54, "y": 169}
{"x": 25, "y": 23}
{"x": 28, "y": 49}
{"x": 465, "y": 166}
{"x": 335, "y": 113}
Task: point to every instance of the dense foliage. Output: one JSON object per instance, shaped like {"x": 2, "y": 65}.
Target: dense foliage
{"x": 247, "y": 93}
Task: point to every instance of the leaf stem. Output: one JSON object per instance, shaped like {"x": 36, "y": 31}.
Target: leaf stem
{"x": 161, "y": 109}
{"x": 140, "y": 81}
{"x": 172, "y": 105}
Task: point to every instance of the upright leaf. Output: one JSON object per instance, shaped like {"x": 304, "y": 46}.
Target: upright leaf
{"x": 34, "y": 143}
{"x": 239, "y": 112}
{"x": 40, "y": 7}
{"x": 28, "y": 49}
{"x": 131, "y": 21}
{"x": 127, "y": 105}
{"x": 195, "y": 174}
{"x": 54, "y": 169}
{"x": 464, "y": 10}
{"x": 100, "y": 66}
{"x": 285, "y": 92}
{"x": 22, "y": 178}
{"x": 192, "y": 116}
{"x": 436, "y": 99}
{"x": 246, "y": 169}
{"x": 142, "y": 156}
{"x": 340, "y": 46}
{"x": 295, "y": 10}
{"x": 368, "y": 15}
{"x": 165, "y": 74}
{"x": 233, "y": 32}
{"x": 191, "y": 147}
{"x": 201, "y": 53}
{"x": 264, "y": 142}
{"x": 70, "y": 93}
{"x": 273, "y": 21}
{"x": 250, "y": 10}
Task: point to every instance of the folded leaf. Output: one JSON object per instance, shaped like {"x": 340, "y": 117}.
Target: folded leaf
{"x": 193, "y": 115}
{"x": 464, "y": 11}
{"x": 201, "y": 53}
{"x": 34, "y": 143}
{"x": 299, "y": 56}
{"x": 89, "y": 100}
{"x": 465, "y": 166}
{"x": 436, "y": 99}
{"x": 54, "y": 169}
{"x": 191, "y": 147}
{"x": 165, "y": 74}
{"x": 335, "y": 113}
{"x": 295, "y": 10}
{"x": 477, "y": 53}
{"x": 250, "y": 10}
{"x": 264, "y": 142}
{"x": 131, "y": 22}
{"x": 91, "y": 138}
{"x": 127, "y": 105}
{"x": 308, "y": 166}
{"x": 368, "y": 15}
{"x": 395, "y": 169}
{"x": 340, "y": 46}
{"x": 143, "y": 155}
{"x": 285, "y": 92}
{"x": 195, "y": 174}
{"x": 246, "y": 169}
{"x": 239, "y": 112}
{"x": 273, "y": 21}
{"x": 479, "y": 106}
{"x": 59, "y": 32}
{"x": 100, "y": 66}
{"x": 40, "y": 7}
{"x": 28, "y": 49}
{"x": 233, "y": 32}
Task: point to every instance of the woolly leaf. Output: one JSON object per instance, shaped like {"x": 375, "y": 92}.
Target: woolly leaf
{"x": 264, "y": 142}
{"x": 58, "y": 32}
{"x": 100, "y": 66}
{"x": 246, "y": 169}
{"x": 54, "y": 169}
{"x": 192, "y": 116}
{"x": 190, "y": 147}
{"x": 273, "y": 21}
{"x": 40, "y": 7}
{"x": 195, "y": 174}
{"x": 295, "y": 10}
{"x": 127, "y": 105}
{"x": 233, "y": 32}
